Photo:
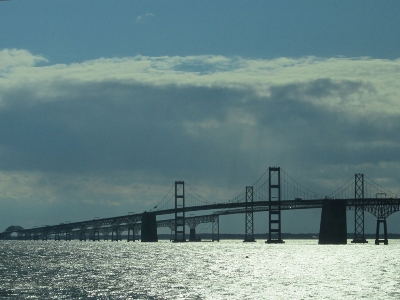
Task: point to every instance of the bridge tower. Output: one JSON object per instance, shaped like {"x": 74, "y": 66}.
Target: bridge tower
{"x": 180, "y": 211}
{"x": 274, "y": 197}
{"x": 249, "y": 228}
{"x": 359, "y": 209}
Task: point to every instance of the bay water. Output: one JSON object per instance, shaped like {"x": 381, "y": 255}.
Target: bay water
{"x": 229, "y": 269}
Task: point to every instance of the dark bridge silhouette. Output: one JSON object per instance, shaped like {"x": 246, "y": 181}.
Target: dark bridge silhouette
{"x": 274, "y": 192}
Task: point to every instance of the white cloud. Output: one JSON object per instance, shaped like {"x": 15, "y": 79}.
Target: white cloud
{"x": 14, "y": 58}
{"x": 141, "y": 18}
{"x": 378, "y": 76}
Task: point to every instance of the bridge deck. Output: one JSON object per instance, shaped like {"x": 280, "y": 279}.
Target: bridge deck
{"x": 384, "y": 206}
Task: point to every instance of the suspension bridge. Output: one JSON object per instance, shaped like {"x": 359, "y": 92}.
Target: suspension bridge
{"x": 274, "y": 192}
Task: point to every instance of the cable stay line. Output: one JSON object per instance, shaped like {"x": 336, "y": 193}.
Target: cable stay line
{"x": 349, "y": 183}
{"x": 158, "y": 207}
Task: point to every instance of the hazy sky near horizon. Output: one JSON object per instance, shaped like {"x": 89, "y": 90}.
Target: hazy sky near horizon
{"x": 104, "y": 104}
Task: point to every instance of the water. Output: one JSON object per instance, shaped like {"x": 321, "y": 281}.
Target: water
{"x": 298, "y": 269}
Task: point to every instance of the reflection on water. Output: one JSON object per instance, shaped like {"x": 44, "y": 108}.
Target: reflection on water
{"x": 298, "y": 269}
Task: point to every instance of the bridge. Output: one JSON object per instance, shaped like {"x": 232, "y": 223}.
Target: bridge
{"x": 274, "y": 192}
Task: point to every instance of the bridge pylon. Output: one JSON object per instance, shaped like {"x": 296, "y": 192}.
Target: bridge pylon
{"x": 274, "y": 197}
{"x": 359, "y": 209}
{"x": 379, "y": 240}
{"x": 180, "y": 211}
{"x": 249, "y": 224}
{"x": 82, "y": 233}
{"x": 131, "y": 238}
{"x": 381, "y": 213}
{"x": 96, "y": 234}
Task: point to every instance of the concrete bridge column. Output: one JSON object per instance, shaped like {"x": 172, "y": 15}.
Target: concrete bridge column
{"x": 378, "y": 225}
{"x": 149, "y": 227}
{"x": 95, "y": 236}
{"x": 192, "y": 237}
{"x": 333, "y": 227}
{"x": 105, "y": 235}
{"x": 131, "y": 227}
{"x": 82, "y": 235}
{"x": 117, "y": 234}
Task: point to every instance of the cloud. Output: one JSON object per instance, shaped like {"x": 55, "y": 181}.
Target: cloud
{"x": 141, "y": 18}
{"x": 11, "y": 59}
{"x": 122, "y": 130}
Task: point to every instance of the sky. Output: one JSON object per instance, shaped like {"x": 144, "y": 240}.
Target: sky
{"x": 104, "y": 104}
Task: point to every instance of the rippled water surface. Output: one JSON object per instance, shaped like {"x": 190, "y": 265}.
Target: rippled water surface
{"x": 298, "y": 269}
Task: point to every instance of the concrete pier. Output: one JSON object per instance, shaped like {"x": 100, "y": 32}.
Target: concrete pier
{"x": 149, "y": 227}
{"x": 192, "y": 237}
{"x": 378, "y": 239}
{"x": 333, "y": 227}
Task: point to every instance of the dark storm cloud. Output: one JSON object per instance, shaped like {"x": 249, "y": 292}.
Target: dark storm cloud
{"x": 320, "y": 135}
{"x": 110, "y": 126}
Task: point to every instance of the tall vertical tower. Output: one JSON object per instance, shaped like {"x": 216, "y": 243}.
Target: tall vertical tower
{"x": 180, "y": 211}
{"x": 359, "y": 209}
{"x": 274, "y": 197}
{"x": 249, "y": 227}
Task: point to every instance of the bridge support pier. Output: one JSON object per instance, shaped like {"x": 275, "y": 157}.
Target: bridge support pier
{"x": 378, "y": 225}
{"x": 118, "y": 233}
{"x": 149, "y": 227}
{"x": 129, "y": 234}
{"x": 333, "y": 226}
{"x": 192, "y": 237}
{"x": 96, "y": 235}
{"x": 82, "y": 235}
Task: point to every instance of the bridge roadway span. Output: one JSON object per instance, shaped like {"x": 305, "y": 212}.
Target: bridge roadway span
{"x": 376, "y": 206}
{"x": 379, "y": 207}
